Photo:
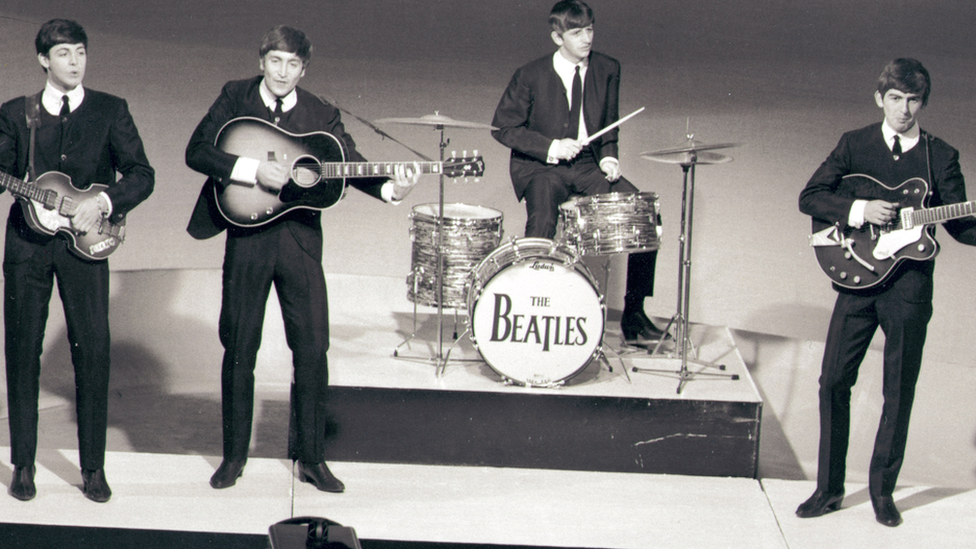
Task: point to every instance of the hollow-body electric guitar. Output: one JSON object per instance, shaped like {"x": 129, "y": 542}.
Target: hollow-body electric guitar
{"x": 317, "y": 166}
{"x": 865, "y": 257}
{"x": 51, "y": 201}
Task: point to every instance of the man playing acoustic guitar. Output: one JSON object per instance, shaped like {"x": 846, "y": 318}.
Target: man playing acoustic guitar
{"x": 284, "y": 250}
{"x": 90, "y": 137}
{"x": 888, "y": 154}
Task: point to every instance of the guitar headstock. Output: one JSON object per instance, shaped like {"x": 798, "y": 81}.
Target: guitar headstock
{"x": 464, "y": 165}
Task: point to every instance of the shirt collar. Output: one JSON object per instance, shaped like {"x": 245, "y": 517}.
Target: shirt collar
{"x": 565, "y": 68}
{"x": 51, "y": 98}
{"x": 907, "y": 139}
{"x": 288, "y": 102}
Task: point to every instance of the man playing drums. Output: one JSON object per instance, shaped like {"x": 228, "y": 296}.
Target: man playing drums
{"x": 545, "y": 116}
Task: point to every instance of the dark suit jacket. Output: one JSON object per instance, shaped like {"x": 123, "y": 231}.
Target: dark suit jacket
{"x": 101, "y": 141}
{"x": 534, "y": 111}
{"x": 241, "y": 98}
{"x": 864, "y": 151}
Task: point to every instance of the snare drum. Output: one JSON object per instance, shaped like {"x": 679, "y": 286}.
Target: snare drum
{"x": 536, "y": 315}
{"x": 611, "y": 223}
{"x": 470, "y": 234}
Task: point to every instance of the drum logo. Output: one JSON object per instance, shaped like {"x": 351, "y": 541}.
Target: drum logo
{"x": 545, "y": 330}
{"x": 542, "y": 266}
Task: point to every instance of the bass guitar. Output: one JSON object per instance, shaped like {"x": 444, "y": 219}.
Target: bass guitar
{"x": 865, "y": 257}
{"x": 318, "y": 171}
{"x": 51, "y": 201}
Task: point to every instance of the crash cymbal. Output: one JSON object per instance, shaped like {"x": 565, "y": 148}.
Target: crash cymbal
{"x": 693, "y": 146}
{"x": 688, "y": 158}
{"x": 437, "y": 120}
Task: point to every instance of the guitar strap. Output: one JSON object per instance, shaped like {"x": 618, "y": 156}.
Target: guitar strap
{"x": 928, "y": 157}
{"x": 32, "y": 110}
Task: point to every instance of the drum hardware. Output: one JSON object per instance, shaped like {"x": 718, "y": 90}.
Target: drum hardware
{"x": 438, "y": 122}
{"x": 691, "y": 154}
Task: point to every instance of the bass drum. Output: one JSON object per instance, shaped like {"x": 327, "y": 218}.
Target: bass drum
{"x": 536, "y": 315}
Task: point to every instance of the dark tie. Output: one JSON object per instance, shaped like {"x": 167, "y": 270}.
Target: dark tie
{"x": 277, "y": 111}
{"x": 896, "y": 148}
{"x": 574, "y": 108}
{"x": 65, "y": 108}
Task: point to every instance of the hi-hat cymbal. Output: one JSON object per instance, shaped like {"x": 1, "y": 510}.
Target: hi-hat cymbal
{"x": 689, "y": 158}
{"x": 693, "y": 146}
{"x": 437, "y": 120}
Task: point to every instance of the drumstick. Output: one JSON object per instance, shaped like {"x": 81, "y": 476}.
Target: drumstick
{"x": 589, "y": 139}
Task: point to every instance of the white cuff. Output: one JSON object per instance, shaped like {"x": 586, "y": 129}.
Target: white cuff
{"x": 108, "y": 202}
{"x": 551, "y": 158}
{"x": 245, "y": 170}
{"x": 856, "y": 217}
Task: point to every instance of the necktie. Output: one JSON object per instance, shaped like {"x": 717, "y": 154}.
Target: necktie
{"x": 896, "y": 148}
{"x": 65, "y": 108}
{"x": 574, "y": 108}
{"x": 277, "y": 111}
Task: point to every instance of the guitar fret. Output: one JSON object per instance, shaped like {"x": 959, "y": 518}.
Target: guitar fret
{"x": 938, "y": 214}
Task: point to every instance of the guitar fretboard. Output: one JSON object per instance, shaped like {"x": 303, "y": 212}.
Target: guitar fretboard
{"x": 373, "y": 169}
{"x": 27, "y": 190}
{"x": 943, "y": 213}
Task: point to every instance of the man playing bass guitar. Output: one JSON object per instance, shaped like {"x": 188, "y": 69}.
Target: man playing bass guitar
{"x": 286, "y": 252}
{"x": 89, "y": 137}
{"x": 887, "y": 153}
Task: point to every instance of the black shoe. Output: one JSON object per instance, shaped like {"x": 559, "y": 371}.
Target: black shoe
{"x": 227, "y": 474}
{"x": 95, "y": 486}
{"x": 320, "y": 476}
{"x": 885, "y": 510}
{"x": 637, "y": 328}
{"x": 819, "y": 504}
{"x": 22, "y": 484}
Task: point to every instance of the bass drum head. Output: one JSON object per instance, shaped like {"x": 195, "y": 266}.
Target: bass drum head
{"x": 538, "y": 319}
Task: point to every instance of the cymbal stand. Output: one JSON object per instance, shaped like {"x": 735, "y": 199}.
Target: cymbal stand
{"x": 679, "y": 321}
{"x": 440, "y": 359}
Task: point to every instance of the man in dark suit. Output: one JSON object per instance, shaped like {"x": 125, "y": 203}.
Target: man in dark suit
{"x": 549, "y": 109}
{"x": 90, "y": 137}
{"x": 286, "y": 252}
{"x": 891, "y": 152}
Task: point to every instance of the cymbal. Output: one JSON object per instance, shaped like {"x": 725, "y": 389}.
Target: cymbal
{"x": 688, "y": 158}
{"x": 693, "y": 146}
{"x": 437, "y": 120}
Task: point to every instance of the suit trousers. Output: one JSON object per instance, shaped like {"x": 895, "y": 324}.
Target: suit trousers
{"x": 852, "y": 326}
{"x": 83, "y": 287}
{"x": 548, "y": 188}
{"x": 252, "y": 263}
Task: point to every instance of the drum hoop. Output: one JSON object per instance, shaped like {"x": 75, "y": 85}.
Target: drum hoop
{"x": 576, "y": 266}
{"x": 489, "y": 213}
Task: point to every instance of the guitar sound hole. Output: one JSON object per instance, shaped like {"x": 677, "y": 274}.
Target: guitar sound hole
{"x": 305, "y": 172}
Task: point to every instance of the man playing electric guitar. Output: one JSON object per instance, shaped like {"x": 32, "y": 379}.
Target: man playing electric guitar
{"x": 891, "y": 152}
{"x": 90, "y": 137}
{"x": 286, "y": 252}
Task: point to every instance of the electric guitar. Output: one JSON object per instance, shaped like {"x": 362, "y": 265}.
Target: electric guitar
{"x": 51, "y": 201}
{"x": 318, "y": 171}
{"x": 865, "y": 257}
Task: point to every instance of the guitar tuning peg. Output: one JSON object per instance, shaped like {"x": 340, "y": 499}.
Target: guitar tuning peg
{"x": 464, "y": 154}
{"x": 453, "y": 154}
{"x": 474, "y": 152}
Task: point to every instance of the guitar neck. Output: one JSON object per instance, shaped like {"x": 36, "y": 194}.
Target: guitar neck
{"x": 939, "y": 214}
{"x": 23, "y": 189}
{"x": 331, "y": 170}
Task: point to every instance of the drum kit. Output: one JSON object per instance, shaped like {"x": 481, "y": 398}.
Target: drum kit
{"x": 535, "y": 312}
